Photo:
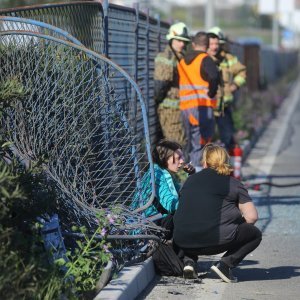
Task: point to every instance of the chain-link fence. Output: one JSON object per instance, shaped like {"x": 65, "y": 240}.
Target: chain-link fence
{"x": 71, "y": 118}
{"x": 125, "y": 35}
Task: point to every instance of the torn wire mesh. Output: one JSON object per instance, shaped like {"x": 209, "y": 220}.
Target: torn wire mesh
{"x": 82, "y": 119}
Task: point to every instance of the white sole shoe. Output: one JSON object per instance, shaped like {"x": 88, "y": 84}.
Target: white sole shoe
{"x": 222, "y": 275}
{"x": 189, "y": 273}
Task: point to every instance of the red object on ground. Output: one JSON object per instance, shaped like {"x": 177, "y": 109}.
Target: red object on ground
{"x": 236, "y": 155}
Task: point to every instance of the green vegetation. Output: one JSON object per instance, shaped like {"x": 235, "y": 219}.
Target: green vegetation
{"x": 25, "y": 195}
{"x": 253, "y": 110}
{"x": 25, "y": 269}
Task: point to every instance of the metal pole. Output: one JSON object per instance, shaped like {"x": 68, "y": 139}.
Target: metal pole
{"x": 209, "y": 14}
{"x": 105, "y": 5}
{"x": 275, "y": 26}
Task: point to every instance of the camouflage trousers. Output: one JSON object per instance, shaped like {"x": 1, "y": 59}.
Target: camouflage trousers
{"x": 170, "y": 120}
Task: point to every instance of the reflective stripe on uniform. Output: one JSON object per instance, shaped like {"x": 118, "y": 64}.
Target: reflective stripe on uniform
{"x": 228, "y": 98}
{"x": 193, "y": 88}
{"x": 194, "y": 96}
{"x": 239, "y": 80}
{"x": 229, "y": 62}
{"x": 197, "y": 102}
{"x": 169, "y": 102}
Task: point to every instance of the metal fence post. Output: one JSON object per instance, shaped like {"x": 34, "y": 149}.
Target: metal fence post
{"x": 136, "y": 6}
{"x": 105, "y": 4}
{"x": 158, "y": 34}
{"x": 147, "y": 63}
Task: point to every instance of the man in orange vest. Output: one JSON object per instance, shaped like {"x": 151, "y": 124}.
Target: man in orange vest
{"x": 198, "y": 84}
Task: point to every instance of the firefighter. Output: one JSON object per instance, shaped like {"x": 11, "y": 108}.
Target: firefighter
{"x": 198, "y": 82}
{"x": 233, "y": 76}
{"x": 166, "y": 86}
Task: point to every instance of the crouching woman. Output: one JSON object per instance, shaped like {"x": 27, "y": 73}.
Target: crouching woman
{"x": 215, "y": 215}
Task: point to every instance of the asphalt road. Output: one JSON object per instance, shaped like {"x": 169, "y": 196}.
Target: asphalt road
{"x": 272, "y": 271}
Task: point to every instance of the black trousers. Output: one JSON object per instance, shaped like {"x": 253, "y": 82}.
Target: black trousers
{"x": 247, "y": 238}
{"x": 226, "y": 128}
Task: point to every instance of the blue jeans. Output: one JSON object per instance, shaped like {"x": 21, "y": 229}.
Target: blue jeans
{"x": 199, "y": 125}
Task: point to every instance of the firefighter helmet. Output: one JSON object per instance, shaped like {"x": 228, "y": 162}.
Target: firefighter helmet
{"x": 218, "y": 32}
{"x": 178, "y": 31}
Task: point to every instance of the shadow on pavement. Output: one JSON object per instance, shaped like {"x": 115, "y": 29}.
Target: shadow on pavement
{"x": 276, "y": 273}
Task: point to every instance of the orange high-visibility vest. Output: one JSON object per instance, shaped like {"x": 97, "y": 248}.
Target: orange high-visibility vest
{"x": 192, "y": 87}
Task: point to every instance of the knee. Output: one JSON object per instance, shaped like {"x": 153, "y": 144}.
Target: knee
{"x": 257, "y": 236}
{"x": 251, "y": 231}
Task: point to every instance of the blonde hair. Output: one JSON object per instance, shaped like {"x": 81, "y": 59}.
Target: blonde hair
{"x": 217, "y": 158}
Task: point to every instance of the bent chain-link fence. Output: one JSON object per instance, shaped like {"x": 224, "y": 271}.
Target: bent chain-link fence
{"x": 127, "y": 36}
{"x": 22, "y": 24}
{"x": 70, "y": 117}
{"x": 81, "y": 19}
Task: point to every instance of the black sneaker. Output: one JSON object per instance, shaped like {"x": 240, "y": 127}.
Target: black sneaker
{"x": 224, "y": 272}
{"x": 189, "y": 271}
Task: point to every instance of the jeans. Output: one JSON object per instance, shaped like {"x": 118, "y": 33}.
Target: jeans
{"x": 199, "y": 125}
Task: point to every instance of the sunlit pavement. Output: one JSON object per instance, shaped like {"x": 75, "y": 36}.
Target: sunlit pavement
{"x": 272, "y": 271}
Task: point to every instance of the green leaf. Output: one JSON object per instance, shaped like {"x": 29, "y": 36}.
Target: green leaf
{"x": 60, "y": 262}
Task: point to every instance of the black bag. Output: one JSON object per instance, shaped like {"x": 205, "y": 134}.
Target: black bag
{"x": 167, "y": 223}
{"x": 166, "y": 261}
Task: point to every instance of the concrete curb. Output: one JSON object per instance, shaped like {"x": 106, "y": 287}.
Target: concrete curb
{"x": 130, "y": 282}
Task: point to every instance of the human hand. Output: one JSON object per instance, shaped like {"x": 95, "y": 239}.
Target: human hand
{"x": 189, "y": 168}
{"x": 233, "y": 87}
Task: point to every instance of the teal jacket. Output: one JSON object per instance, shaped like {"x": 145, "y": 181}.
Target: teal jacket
{"x": 166, "y": 189}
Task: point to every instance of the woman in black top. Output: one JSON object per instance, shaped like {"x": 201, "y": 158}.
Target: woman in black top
{"x": 215, "y": 214}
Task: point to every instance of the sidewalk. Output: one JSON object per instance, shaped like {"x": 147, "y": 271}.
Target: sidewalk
{"x": 271, "y": 271}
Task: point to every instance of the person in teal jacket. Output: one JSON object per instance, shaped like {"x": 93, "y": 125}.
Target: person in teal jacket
{"x": 168, "y": 159}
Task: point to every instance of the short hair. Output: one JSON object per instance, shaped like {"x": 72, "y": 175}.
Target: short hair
{"x": 163, "y": 151}
{"x": 217, "y": 158}
{"x": 200, "y": 39}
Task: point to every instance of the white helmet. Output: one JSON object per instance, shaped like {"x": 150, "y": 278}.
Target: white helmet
{"x": 218, "y": 32}
{"x": 178, "y": 31}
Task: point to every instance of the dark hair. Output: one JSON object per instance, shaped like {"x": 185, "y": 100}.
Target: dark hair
{"x": 163, "y": 150}
{"x": 200, "y": 39}
{"x": 211, "y": 35}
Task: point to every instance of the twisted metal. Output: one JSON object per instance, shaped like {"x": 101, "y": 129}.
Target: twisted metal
{"x": 76, "y": 118}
